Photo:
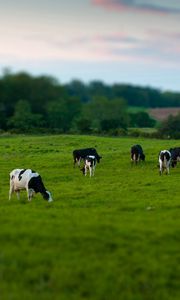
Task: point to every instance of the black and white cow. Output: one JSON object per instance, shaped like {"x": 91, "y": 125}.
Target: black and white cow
{"x": 175, "y": 156}
{"x": 164, "y": 161}
{"x": 29, "y": 180}
{"x": 137, "y": 153}
{"x": 80, "y": 154}
{"x": 89, "y": 164}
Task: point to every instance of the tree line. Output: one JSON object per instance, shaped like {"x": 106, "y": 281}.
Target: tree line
{"x": 29, "y": 103}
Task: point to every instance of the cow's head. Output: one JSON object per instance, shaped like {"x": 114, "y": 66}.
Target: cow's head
{"x": 143, "y": 157}
{"x": 98, "y": 158}
{"x": 173, "y": 163}
{"x": 83, "y": 170}
{"x": 47, "y": 196}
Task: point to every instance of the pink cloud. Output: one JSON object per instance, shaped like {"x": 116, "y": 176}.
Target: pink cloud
{"x": 110, "y": 5}
{"x": 127, "y": 5}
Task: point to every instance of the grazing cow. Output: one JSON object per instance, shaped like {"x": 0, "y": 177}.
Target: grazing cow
{"x": 164, "y": 161}
{"x": 81, "y": 154}
{"x": 137, "y": 153}
{"x": 89, "y": 164}
{"x": 29, "y": 180}
{"x": 175, "y": 156}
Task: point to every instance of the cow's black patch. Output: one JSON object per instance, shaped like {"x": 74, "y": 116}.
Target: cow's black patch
{"x": 164, "y": 155}
{"x": 20, "y": 174}
{"x": 37, "y": 185}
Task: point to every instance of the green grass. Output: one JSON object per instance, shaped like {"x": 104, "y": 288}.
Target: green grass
{"x": 113, "y": 236}
{"x": 136, "y": 109}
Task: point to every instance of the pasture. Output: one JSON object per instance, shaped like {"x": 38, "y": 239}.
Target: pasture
{"x": 114, "y": 236}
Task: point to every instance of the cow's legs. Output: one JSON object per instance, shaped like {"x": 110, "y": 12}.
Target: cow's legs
{"x": 94, "y": 169}
{"x": 10, "y": 191}
{"x": 85, "y": 171}
{"x": 18, "y": 194}
{"x": 29, "y": 194}
{"x": 160, "y": 167}
{"x": 79, "y": 162}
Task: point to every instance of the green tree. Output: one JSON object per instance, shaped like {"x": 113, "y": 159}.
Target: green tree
{"x": 77, "y": 89}
{"x": 106, "y": 114}
{"x": 170, "y": 128}
{"x": 82, "y": 125}
{"x": 23, "y": 119}
{"x": 57, "y": 114}
{"x": 2, "y": 116}
{"x": 141, "y": 119}
{"x": 61, "y": 113}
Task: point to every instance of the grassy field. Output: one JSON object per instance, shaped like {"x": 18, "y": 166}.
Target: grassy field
{"x": 111, "y": 237}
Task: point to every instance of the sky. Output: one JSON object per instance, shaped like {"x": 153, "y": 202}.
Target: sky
{"x": 114, "y": 41}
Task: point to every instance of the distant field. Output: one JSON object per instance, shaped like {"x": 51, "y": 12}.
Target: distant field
{"x": 111, "y": 237}
{"x": 136, "y": 109}
{"x": 161, "y": 114}
{"x": 158, "y": 114}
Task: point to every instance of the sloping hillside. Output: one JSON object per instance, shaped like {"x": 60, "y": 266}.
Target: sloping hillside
{"x": 161, "y": 114}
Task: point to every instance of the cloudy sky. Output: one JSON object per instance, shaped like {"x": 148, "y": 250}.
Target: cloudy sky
{"x": 115, "y": 41}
